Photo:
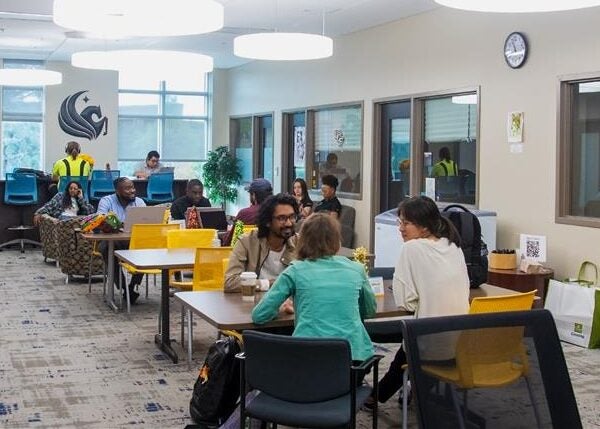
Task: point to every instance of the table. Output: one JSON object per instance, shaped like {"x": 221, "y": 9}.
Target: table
{"x": 227, "y": 311}
{"x": 110, "y": 269}
{"x": 164, "y": 260}
{"x": 521, "y": 282}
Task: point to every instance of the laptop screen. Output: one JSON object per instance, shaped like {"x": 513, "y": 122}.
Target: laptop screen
{"x": 212, "y": 217}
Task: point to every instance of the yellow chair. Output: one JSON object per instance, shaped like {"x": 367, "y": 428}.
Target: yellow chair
{"x": 188, "y": 239}
{"x": 96, "y": 253}
{"x": 249, "y": 228}
{"x": 494, "y": 357}
{"x": 147, "y": 236}
{"x": 209, "y": 271}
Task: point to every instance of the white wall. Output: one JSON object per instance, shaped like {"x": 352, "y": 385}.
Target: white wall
{"x": 448, "y": 49}
{"x": 103, "y": 91}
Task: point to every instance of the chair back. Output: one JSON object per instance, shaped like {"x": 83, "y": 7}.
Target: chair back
{"x": 150, "y": 236}
{"x": 209, "y": 273}
{"x": 297, "y": 369}
{"x": 102, "y": 183}
{"x": 160, "y": 187}
{"x": 508, "y": 404}
{"x": 190, "y": 238}
{"x": 249, "y": 228}
{"x": 83, "y": 180}
{"x": 493, "y": 304}
{"x": 20, "y": 189}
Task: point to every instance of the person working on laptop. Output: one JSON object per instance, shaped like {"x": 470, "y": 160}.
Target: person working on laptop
{"x": 117, "y": 203}
{"x": 150, "y": 166}
{"x": 193, "y": 198}
{"x": 268, "y": 250}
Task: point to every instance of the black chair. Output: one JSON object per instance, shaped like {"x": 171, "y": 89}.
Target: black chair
{"x": 437, "y": 348}
{"x": 303, "y": 382}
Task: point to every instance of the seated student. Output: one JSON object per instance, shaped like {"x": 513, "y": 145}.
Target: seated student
{"x": 117, "y": 203}
{"x": 330, "y": 203}
{"x": 268, "y": 250}
{"x": 300, "y": 192}
{"x": 331, "y": 294}
{"x": 150, "y": 166}
{"x": 193, "y": 198}
{"x": 430, "y": 278}
{"x": 65, "y": 205}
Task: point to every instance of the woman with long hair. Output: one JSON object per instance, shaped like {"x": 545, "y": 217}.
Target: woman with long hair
{"x": 430, "y": 278}
{"x": 330, "y": 293}
{"x": 66, "y": 205}
{"x": 300, "y": 192}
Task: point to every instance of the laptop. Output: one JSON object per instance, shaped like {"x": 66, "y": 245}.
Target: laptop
{"x": 166, "y": 170}
{"x": 212, "y": 217}
{"x": 145, "y": 215}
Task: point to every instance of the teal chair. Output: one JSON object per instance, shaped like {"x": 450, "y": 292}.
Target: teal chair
{"x": 20, "y": 190}
{"x": 83, "y": 180}
{"x": 160, "y": 188}
{"x": 102, "y": 183}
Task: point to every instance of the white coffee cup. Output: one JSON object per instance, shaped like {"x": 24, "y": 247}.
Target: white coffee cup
{"x": 248, "y": 285}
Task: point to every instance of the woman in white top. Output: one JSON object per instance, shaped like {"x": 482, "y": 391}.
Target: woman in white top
{"x": 430, "y": 278}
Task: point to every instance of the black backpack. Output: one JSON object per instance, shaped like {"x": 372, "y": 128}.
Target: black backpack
{"x": 217, "y": 389}
{"x": 472, "y": 245}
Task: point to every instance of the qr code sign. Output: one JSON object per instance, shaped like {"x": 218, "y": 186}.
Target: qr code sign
{"x": 533, "y": 249}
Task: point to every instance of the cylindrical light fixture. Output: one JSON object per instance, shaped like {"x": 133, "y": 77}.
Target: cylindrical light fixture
{"x": 29, "y": 77}
{"x": 283, "y": 46}
{"x": 162, "y": 65}
{"x": 518, "y": 6}
{"x": 152, "y": 18}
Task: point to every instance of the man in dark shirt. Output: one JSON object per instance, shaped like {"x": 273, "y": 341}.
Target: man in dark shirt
{"x": 193, "y": 197}
{"x": 330, "y": 202}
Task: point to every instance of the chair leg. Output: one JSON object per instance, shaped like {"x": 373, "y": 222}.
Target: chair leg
{"x": 90, "y": 274}
{"x": 147, "y": 284}
{"x": 536, "y": 412}
{"x": 182, "y": 324}
{"x": 190, "y": 336}
{"x": 459, "y": 414}
{"x": 104, "y": 278}
{"x": 405, "y": 399}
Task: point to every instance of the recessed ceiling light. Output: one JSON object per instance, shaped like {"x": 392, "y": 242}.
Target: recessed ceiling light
{"x": 518, "y": 6}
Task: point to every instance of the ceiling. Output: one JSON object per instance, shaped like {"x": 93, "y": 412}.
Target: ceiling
{"x": 27, "y": 30}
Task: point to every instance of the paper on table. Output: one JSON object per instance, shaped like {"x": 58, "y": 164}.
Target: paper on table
{"x": 377, "y": 285}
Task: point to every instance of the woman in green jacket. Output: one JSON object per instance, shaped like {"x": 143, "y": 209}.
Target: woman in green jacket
{"x": 331, "y": 294}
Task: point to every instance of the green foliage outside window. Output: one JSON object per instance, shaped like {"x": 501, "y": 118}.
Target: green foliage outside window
{"x": 21, "y": 143}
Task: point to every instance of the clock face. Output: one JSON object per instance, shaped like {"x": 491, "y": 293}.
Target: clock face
{"x": 515, "y": 50}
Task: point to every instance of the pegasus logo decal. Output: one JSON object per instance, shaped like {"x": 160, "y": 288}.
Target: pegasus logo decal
{"x": 87, "y": 124}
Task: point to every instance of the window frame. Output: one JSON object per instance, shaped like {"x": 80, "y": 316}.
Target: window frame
{"x": 162, "y": 117}
{"x": 258, "y": 164}
{"x": 564, "y": 128}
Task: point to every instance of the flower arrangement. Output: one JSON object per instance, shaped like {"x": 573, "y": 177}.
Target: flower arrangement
{"x": 87, "y": 158}
{"x": 361, "y": 255}
{"x": 100, "y": 222}
{"x": 238, "y": 230}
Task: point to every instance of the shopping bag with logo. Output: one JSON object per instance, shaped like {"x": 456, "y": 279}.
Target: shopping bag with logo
{"x": 580, "y": 280}
{"x": 575, "y": 307}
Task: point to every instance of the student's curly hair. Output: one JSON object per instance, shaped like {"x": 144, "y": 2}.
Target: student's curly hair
{"x": 267, "y": 208}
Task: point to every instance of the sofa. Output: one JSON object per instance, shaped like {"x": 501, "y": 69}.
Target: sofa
{"x": 48, "y": 238}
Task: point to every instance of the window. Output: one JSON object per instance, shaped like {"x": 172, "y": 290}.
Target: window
{"x": 449, "y": 148}
{"x": 578, "y": 180}
{"x": 22, "y": 116}
{"x": 251, "y": 141}
{"x": 294, "y": 148}
{"x": 169, "y": 117}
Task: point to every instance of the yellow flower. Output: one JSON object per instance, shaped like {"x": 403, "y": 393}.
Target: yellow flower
{"x": 87, "y": 158}
{"x": 361, "y": 254}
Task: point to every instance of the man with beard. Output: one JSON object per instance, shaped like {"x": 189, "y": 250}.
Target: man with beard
{"x": 117, "y": 203}
{"x": 270, "y": 249}
{"x": 193, "y": 198}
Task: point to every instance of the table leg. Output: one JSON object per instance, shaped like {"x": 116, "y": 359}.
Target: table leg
{"x": 110, "y": 297}
{"x": 163, "y": 339}
{"x": 189, "y": 345}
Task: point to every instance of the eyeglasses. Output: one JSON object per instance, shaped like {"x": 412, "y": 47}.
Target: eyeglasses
{"x": 403, "y": 223}
{"x": 284, "y": 218}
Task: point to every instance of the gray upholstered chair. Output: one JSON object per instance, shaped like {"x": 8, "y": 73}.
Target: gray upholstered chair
{"x": 347, "y": 217}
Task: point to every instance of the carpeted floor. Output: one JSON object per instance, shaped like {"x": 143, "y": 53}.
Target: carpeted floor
{"x": 67, "y": 361}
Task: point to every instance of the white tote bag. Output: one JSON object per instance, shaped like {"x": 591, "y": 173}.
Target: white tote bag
{"x": 576, "y": 311}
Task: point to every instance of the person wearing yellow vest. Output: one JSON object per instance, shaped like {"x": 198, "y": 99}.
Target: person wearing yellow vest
{"x": 71, "y": 165}
{"x": 445, "y": 166}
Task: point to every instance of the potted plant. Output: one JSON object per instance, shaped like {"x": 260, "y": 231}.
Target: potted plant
{"x": 221, "y": 174}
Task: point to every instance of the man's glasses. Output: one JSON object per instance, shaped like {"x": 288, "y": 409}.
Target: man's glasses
{"x": 284, "y": 218}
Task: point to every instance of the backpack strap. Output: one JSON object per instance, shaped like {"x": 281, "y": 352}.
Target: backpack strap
{"x": 445, "y": 168}
{"x": 68, "y": 166}
{"x": 82, "y": 167}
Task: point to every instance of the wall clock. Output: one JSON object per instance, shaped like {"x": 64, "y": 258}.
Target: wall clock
{"x": 515, "y": 49}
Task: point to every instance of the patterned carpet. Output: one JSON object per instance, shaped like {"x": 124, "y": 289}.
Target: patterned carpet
{"x": 67, "y": 361}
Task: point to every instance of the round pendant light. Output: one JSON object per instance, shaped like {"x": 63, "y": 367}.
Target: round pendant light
{"x": 161, "y": 65}
{"x": 283, "y": 46}
{"x": 518, "y": 6}
{"x": 29, "y": 77}
{"x": 121, "y": 18}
